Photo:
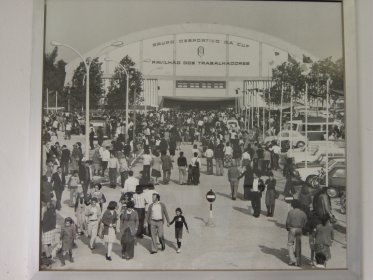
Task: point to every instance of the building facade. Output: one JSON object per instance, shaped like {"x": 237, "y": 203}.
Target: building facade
{"x": 196, "y": 64}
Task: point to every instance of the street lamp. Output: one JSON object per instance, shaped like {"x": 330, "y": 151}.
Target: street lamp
{"x": 87, "y": 63}
{"x": 127, "y": 93}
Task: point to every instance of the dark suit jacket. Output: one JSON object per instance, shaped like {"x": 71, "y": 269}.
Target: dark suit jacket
{"x": 65, "y": 156}
{"x": 84, "y": 174}
{"x": 58, "y": 183}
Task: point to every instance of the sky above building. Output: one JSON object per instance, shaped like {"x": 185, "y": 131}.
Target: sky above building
{"x": 313, "y": 26}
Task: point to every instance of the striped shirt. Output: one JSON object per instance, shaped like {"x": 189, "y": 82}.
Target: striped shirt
{"x": 139, "y": 200}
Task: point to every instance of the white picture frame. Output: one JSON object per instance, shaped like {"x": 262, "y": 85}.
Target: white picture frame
{"x": 355, "y": 242}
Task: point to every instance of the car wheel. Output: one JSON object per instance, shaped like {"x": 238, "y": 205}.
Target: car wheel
{"x": 314, "y": 181}
{"x": 332, "y": 192}
{"x": 310, "y": 178}
{"x": 300, "y": 144}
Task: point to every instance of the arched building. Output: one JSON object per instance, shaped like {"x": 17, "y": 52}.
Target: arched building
{"x": 197, "y": 64}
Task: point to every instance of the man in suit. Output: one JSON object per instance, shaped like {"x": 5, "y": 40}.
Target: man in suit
{"x": 156, "y": 215}
{"x": 65, "y": 160}
{"x": 85, "y": 176}
{"x": 58, "y": 183}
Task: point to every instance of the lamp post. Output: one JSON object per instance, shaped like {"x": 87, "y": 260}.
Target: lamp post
{"x": 87, "y": 64}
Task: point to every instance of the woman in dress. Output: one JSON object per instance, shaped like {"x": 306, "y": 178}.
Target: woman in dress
{"x": 80, "y": 209}
{"x": 48, "y": 225}
{"x": 75, "y": 158}
{"x": 156, "y": 167}
{"x": 109, "y": 219}
{"x": 129, "y": 223}
{"x": 228, "y": 155}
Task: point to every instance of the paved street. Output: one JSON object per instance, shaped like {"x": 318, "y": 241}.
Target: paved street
{"x": 238, "y": 240}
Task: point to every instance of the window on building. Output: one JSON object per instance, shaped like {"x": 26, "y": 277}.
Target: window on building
{"x": 201, "y": 84}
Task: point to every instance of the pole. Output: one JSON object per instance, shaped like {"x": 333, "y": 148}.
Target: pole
{"x": 306, "y": 103}
{"x": 263, "y": 122}
{"x": 87, "y": 112}
{"x": 145, "y": 96}
{"x": 127, "y": 93}
{"x": 68, "y": 100}
{"x": 291, "y": 117}
{"x": 252, "y": 106}
{"x": 327, "y": 133}
{"x": 47, "y": 101}
{"x": 134, "y": 117}
{"x": 282, "y": 99}
{"x": 56, "y": 101}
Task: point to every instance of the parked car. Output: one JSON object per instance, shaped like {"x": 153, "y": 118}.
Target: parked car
{"x": 309, "y": 173}
{"x": 297, "y": 139}
{"x": 311, "y": 157}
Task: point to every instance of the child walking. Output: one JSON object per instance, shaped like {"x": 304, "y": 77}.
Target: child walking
{"x": 68, "y": 235}
{"x": 179, "y": 222}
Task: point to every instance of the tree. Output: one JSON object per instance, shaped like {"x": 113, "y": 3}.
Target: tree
{"x": 116, "y": 98}
{"x": 288, "y": 74}
{"x": 54, "y": 75}
{"x": 78, "y": 87}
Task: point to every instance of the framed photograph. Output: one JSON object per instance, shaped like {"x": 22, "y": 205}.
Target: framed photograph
{"x": 183, "y": 138}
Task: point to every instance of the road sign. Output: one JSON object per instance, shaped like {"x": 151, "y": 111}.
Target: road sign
{"x": 210, "y": 196}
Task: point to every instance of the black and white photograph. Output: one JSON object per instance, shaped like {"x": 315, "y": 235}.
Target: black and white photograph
{"x": 193, "y": 135}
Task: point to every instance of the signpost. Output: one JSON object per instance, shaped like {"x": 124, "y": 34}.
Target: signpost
{"x": 210, "y": 196}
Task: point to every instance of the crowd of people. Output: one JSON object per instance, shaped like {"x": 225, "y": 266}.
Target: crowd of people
{"x": 161, "y": 137}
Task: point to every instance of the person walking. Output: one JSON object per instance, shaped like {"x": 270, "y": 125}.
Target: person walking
{"x": 196, "y": 165}
{"x": 233, "y": 174}
{"x": 80, "y": 210}
{"x": 93, "y": 213}
{"x": 139, "y": 200}
{"x": 228, "y": 155}
{"x": 271, "y": 193}
{"x": 96, "y": 160}
{"x": 156, "y": 167}
{"x": 256, "y": 195}
{"x": 248, "y": 175}
{"x": 65, "y": 160}
{"x": 105, "y": 157}
{"x": 237, "y": 154}
{"x": 58, "y": 184}
{"x": 166, "y": 167}
{"x": 67, "y": 238}
{"x": 246, "y": 158}
{"x": 147, "y": 160}
{"x": 179, "y": 223}
{"x": 48, "y": 227}
{"x": 288, "y": 173}
{"x": 129, "y": 223}
{"x": 295, "y": 222}
{"x": 75, "y": 158}
{"x": 73, "y": 185}
{"x": 156, "y": 216}
{"x": 209, "y": 154}
{"x": 91, "y": 138}
{"x": 113, "y": 170}
{"x": 109, "y": 220}
{"x": 100, "y": 136}
{"x": 219, "y": 157}
{"x": 324, "y": 236}
{"x": 182, "y": 164}
{"x": 123, "y": 168}
{"x": 130, "y": 184}
{"x": 85, "y": 176}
